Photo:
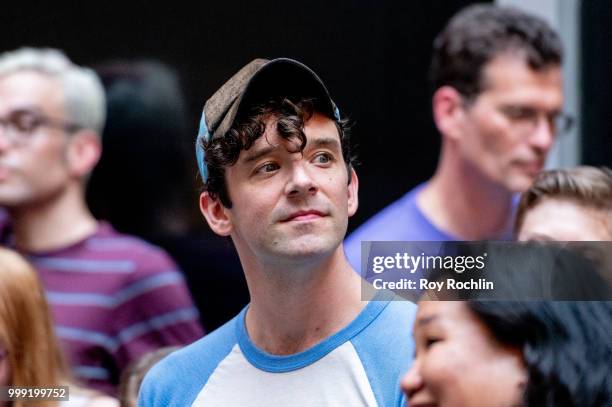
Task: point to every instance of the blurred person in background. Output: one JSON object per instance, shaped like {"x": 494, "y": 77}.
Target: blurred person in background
{"x": 29, "y": 351}
{"x": 113, "y": 296}
{"x": 497, "y": 102}
{"x": 147, "y": 146}
{"x": 540, "y": 338}
{"x": 511, "y": 353}
{"x": 572, "y": 204}
{"x": 132, "y": 376}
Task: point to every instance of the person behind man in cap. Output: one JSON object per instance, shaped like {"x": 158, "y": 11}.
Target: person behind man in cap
{"x": 497, "y": 102}
{"x": 278, "y": 178}
{"x": 571, "y": 204}
{"x": 113, "y": 296}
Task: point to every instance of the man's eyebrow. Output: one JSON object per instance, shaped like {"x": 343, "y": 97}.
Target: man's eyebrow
{"x": 257, "y": 154}
{"x": 26, "y": 109}
{"x": 330, "y": 142}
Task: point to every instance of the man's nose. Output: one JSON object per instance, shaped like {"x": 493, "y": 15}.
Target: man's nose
{"x": 300, "y": 181}
{"x": 543, "y": 134}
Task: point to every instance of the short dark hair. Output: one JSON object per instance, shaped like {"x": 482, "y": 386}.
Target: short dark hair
{"x": 479, "y": 33}
{"x": 590, "y": 187}
{"x": 565, "y": 345}
{"x": 554, "y": 307}
{"x": 290, "y": 114}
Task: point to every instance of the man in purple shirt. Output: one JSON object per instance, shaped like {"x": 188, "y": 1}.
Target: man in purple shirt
{"x": 113, "y": 297}
{"x": 496, "y": 76}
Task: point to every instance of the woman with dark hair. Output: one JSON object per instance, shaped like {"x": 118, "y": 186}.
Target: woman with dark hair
{"x": 531, "y": 353}
{"x": 566, "y": 348}
{"x": 519, "y": 352}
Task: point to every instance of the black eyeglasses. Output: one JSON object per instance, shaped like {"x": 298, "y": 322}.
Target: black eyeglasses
{"x": 19, "y": 125}
{"x": 526, "y": 118}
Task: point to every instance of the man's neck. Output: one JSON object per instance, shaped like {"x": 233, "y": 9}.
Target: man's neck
{"x": 465, "y": 204}
{"x": 53, "y": 224}
{"x": 295, "y": 308}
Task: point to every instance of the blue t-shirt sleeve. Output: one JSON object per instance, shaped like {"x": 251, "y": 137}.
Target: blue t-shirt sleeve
{"x": 386, "y": 350}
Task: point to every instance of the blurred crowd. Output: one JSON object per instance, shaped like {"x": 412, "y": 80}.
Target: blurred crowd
{"x": 106, "y": 268}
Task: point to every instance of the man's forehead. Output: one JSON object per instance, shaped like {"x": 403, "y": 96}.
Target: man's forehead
{"x": 29, "y": 89}
{"x": 509, "y": 71}
{"x": 28, "y": 78}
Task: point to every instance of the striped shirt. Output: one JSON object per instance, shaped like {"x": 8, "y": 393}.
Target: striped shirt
{"x": 114, "y": 298}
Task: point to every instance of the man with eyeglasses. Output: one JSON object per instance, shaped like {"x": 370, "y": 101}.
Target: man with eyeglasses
{"x": 113, "y": 296}
{"x": 497, "y": 102}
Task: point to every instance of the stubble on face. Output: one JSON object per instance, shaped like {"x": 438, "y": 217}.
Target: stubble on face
{"x": 290, "y": 205}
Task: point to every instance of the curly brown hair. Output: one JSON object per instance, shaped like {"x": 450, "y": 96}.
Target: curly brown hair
{"x": 290, "y": 116}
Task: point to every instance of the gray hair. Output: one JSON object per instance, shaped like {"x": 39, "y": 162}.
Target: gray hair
{"x": 84, "y": 99}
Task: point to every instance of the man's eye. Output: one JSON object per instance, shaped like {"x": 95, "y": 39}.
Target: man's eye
{"x": 268, "y": 167}
{"x": 519, "y": 113}
{"x": 323, "y": 158}
{"x": 24, "y": 122}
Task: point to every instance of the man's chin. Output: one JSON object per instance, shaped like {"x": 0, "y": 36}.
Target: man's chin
{"x": 518, "y": 184}
{"x": 11, "y": 200}
{"x": 308, "y": 247}
{"x": 518, "y": 180}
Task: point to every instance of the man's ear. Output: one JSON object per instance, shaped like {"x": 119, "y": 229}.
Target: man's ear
{"x": 353, "y": 191}
{"x": 216, "y": 215}
{"x": 448, "y": 111}
{"x": 83, "y": 152}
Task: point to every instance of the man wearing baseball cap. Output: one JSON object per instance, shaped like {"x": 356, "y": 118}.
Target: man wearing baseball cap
{"x": 274, "y": 157}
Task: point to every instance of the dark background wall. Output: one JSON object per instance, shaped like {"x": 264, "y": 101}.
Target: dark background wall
{"x": 373, "y": 56}
{"x": 596, "y": 49}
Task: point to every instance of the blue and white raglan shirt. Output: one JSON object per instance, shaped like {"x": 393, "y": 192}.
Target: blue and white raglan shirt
{"x": 361, "y": 365}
